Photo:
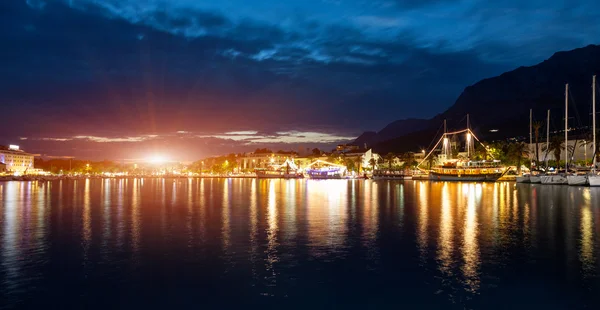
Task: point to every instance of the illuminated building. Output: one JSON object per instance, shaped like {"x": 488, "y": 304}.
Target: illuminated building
{"x": 15, "y": 160}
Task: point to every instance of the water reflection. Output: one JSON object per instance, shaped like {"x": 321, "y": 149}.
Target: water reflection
{"x": 277, "y": 237}
{"x": 446, "y": 235}
{"x": 423, "y": 219}
{"x": 470, "y": 248}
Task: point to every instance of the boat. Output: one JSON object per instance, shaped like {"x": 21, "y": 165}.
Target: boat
{"x": 276, "y": 174}
{"x": 287, "y": 170}
{"x": 577, "y": 179}
{"x": 593, "y": 177}
{"x": 468, "y": 171}
{"x": 535, "y": 179}
{"x": 554, "y": 179}
{"x": 594, "y": 180}
{"x": 463, "y": 169}
{"x": 523, "y": 178}
{"x": 321, "y": 169}
{"x": 325, "y": 173}
{"x": 561, "y": 178}
{"x": 391, "y": 174}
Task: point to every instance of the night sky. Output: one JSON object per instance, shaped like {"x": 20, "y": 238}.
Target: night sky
{"x": 121, "y": 79}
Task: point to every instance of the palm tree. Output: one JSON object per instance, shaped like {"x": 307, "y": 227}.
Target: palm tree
{"x": 536, "y": 131}
{"x": 408, "y": 159}
{"x": 517, "y": 152}
{"x": 555, "y": 146}
{"x": 349, "y": 164}
{"x": 390, "y": 159}
{"x": 358, "y": 164}
{"x": 373, "y": 163}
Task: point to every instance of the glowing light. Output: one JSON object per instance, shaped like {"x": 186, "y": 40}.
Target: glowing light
{"x": 13, "y": 147}
{"x": 157, "y": 159}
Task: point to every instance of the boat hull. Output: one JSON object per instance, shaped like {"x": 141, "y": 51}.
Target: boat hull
{"x": 554, "y": 180}
{"x": 535, "y": 179}
{"x": 523, "y": 179}
{"x": 392, "y": 177}
{"x": 325, "y": 177}
{"x": 278, "y": 176}
{"x": 594, "y": 180}
{"x": 492, "y": 177}
{"x": 577, "y": 180}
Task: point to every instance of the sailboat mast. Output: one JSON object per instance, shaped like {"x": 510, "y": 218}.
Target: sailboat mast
{"x": 530, "y": 133}
{"x": 445, "y": 142}
{"x": 547, "y": 136}
{"x": 468, "y": 138}
{"x": 594, "y": 121}
{"x": 566, "y": 127}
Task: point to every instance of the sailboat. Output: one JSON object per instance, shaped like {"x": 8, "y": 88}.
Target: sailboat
{"x": 287, "y": 170}
{"x": 594, "y": 178}
{"x": 526, "y": 178}
{"x": 465, "y": 170}
{"x": 537, "y": 179}
{"x": 560, "y": 179}
{"x": 582, "y": 179}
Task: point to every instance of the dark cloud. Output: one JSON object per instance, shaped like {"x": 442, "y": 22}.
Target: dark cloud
{"x": 133, "y": 68}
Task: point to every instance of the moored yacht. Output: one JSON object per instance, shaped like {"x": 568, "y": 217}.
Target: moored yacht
{"x": 594, "y": 180}
{"x": 462, "y": 168}
{"x": 320, "y": 169}
{"x": 287, "y": 170}
{"x": 554, "y": 179}
{"x": 535, "y": 179}
{"x": 392, "y": 174}
{"x": 577, "y": 179}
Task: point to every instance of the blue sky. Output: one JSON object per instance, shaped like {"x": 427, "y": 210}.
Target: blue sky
{"x": 138, "y": 71}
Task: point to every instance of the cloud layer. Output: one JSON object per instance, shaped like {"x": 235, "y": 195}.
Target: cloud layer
{"x": 260, "y": 71}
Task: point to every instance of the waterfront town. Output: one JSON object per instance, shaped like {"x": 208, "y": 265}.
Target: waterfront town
{"x": 352, "y": 160}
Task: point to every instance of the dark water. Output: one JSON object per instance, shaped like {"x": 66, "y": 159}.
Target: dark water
{"x": 227, "y": 243}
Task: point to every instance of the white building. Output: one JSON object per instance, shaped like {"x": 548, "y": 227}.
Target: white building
{"x": 16, "y": 160}
{"x": 583, "y": 151}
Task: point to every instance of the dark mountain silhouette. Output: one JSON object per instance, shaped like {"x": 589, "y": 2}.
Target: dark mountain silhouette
{"x": 502, "y": 103}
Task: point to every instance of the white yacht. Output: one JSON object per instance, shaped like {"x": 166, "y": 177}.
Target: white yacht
{"x": 556, "y": 179}
{"x": 577, "y": 179}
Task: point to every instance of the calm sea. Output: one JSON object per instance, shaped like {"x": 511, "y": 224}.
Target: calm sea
{"x": 297, "y": 244}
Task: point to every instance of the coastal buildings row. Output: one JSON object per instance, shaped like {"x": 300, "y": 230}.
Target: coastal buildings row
{"x": 13, "y": 160}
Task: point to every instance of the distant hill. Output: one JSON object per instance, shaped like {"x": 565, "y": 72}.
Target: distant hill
{"x": 503, "y": 102}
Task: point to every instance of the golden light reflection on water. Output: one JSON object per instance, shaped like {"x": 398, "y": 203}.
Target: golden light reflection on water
{"x": 269, "y": 222}
{"x": 470, "y": 248}
{"x": 446, "y": 242}
{"x": 87, "y": 219}
{"x": 11, "y": 222}
{"x": 225, "y": 209}
{"x": 136, "y": 222}
{"x": 423, "y": 205}
{"x": 327, "y": 216}
{"x": 272, "y": 231}
{"x": 587, "y": 235}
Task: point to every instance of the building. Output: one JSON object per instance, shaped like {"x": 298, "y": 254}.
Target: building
{"x": 16, "y": 161}
{"x": 345, "y": 148}
{"x": 250, "y": 161}
{"x": 2, "y": 168}
{"x": 582, "y": 152}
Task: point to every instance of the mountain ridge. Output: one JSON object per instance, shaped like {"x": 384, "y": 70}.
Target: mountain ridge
{"x": 502, "y": 102}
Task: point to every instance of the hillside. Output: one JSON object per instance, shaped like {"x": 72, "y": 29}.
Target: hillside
{"x": 503, "y": 102}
